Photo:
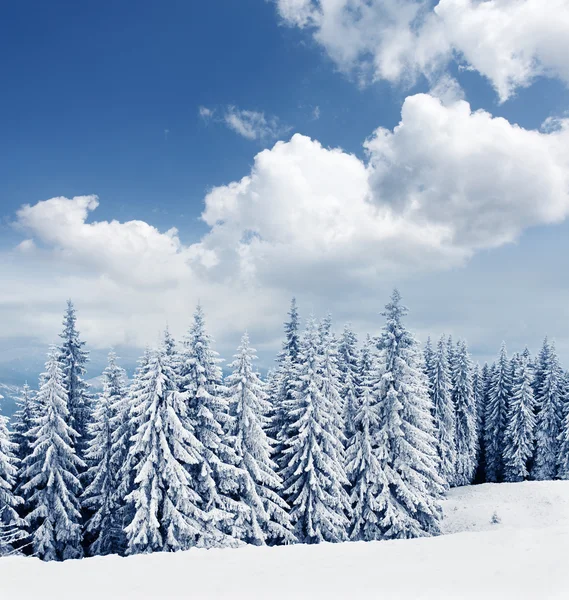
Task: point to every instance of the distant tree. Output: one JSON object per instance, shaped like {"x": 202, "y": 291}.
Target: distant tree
{"x": 563, "y": 456}
{"x": 499, "y": 394}
{"x": 249, "y": 406}
{"x": 549, "y": 399}
{"x": 465, "y": 409}
{"x": 410, "y": 493}
{"x": 50, "y": 472}
{"x": 314, "y": 476}
{"x": 520, "y": 423}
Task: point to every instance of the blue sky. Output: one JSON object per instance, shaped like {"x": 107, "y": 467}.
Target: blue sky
{"x": 467, "y": 218}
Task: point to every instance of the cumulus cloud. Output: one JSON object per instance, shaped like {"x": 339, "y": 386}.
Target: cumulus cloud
{"x": 308, "y": 220}
{"x": 510, "y": 42}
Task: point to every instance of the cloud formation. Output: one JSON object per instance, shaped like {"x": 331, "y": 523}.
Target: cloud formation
{"x": 250, "y": 124}
{"x": 510, "y": 42}
{"x": 445, "y": 183}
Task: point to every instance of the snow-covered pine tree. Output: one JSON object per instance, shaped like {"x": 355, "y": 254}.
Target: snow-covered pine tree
{"x": 281, "y": 422}
{"x": 563, "y": 456}
{"x": 429, "y": 355}
{"x": 479, "y": 385}
{"x": 443, "y": 413}
{"x": 73, "y": 357}
{"x": 348, "y": 364}
{"x": 499, "y": 394}
{"x": 23, "y": 421}
{"x": 101, "y": 497}
{"x": 167, "y": 509}
{"x": 50, "y": 472}
{"x": 409, "y": 496}
{"x": 466, "y": 417}
{"x": 549, "y": 400}
{"x": 520, "y": 423}
{"x": 221, "y": 484}
{"x": 12, "y": 527}
{"x": 364, "y": 471}
{"x": 249, "y": 407}
{"x": 314, "y": 476}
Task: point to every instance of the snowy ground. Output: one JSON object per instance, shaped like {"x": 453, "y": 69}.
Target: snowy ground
{"x": 524, "y": 555}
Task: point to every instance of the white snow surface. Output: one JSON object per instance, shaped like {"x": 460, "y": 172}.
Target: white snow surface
{"x": 524, "y": 555}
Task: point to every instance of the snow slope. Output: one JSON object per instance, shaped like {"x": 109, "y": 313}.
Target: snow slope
{"x": 525, "y": 555}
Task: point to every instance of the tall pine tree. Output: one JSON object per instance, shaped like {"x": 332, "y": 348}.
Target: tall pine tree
{"x": 410, "y": 493}
{"x": 499, "y": 394}
{"x": 443, "y": 412}
{"x": 549, "y": 399}
{"x": 249, "y": 407}
{"x": 51, "y": 472}
{"x": 348, "y": 365}
{"x": 73, "y": 357}
{"x": 520, "y": 423}
{"x": 466, "y": 417}
{"x": 314, "y": 476}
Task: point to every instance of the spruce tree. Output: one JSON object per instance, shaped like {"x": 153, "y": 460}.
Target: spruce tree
{"x": 73, "y": 357}
{"x": 221, "y": 484}
{"x": 563, "y": 455}
{"x": 249, "y": 407}
{"x": 23, "y": 421}
{"x": 443, "y": 413}
{"x": 499, "y": 394}
{"x": 480, "y": 386}
{"x": 167, "y": 509}
{"x": 549, "y": 399}
{"x": 348, "y": 365}
{"x": 364, "y": 472}
{"x": 465, "y": 408}
{"x": 520, "y": 423}
{"x": 102, "y": 497}
{"x": 288, "y": 358}
{"x": 50, "y": 472}
{"x": 314, "y": 476}
{"x": 409, "y": 496}
{"x": 12, "y": 527}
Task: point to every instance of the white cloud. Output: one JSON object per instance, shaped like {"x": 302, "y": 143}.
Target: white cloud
{"x": 508, "y": 41}
{"x": 206, "y": 113}
{"x": 307, "y": 220}
{"x": 253, "y": 125}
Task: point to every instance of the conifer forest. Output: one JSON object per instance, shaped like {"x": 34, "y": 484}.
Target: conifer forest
{"x": 345, "y": 439}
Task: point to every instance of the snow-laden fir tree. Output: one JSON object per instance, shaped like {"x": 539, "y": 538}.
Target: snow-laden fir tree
{"x": 168, "y": 515}
{"x": 73, "y": 357}
{"x": 364, "y": 471}
{"x": 563, "y": 455}
{"x": 520, "y": 423}
{"x": 23, "y": 421}
{"x": 480, "y": 385}
{"x": 549, "y": 400}
{"x": 499, "y": 394}
{"x": 314, "y": 476}
{"x": 465, "y": 409}
{"x": 429, "y": 356}
{"x": 409, "y": 496}
{"x": 12, "y": 527}
{"x": 249, "y": 407}
{"x": 51, "y": 472}
{"x": 281, "y": 421}
{"x": 102, "y": 497}
{"x": 443, "y": 413}
{"x": 221, "y": 484}
{"x": 348, "y": 364}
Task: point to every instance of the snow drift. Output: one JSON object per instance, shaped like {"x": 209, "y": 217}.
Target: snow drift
{"x": 508, "y": 541}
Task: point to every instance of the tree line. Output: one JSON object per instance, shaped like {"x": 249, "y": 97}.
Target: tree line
{"x": 341, "y": 441}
